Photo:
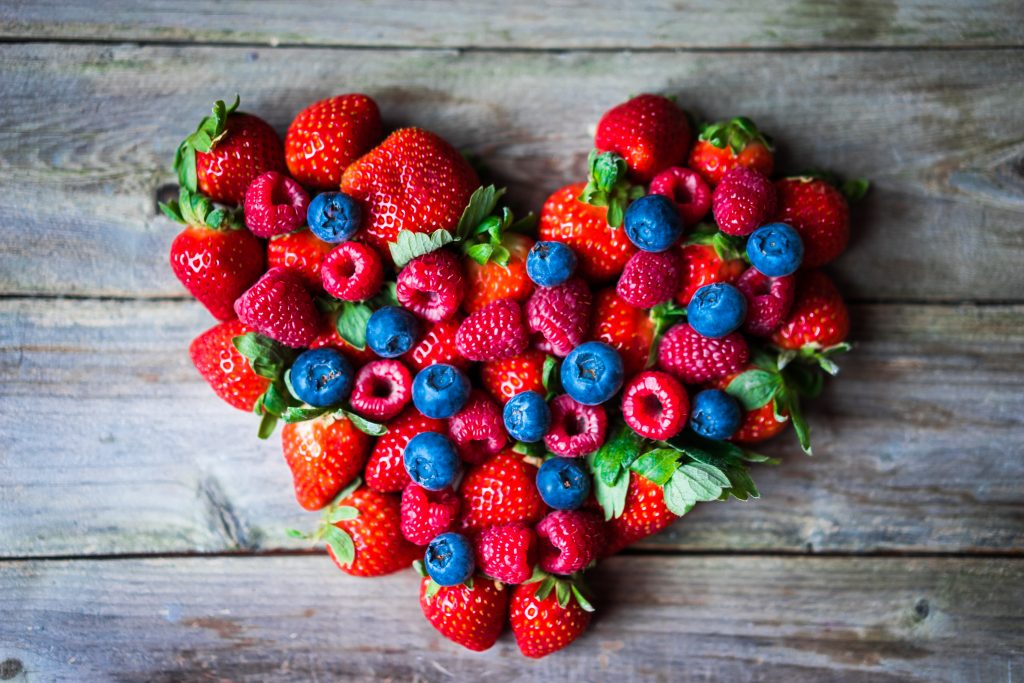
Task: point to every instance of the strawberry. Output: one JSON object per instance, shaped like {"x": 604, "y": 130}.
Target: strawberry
{"x": 425, "y": 514}
{"x": 301, "y": 252}
{"x": 701, "y": 266}
{"x": 628, "y": 329}
{"x": 438, "y": 346}
{"x": 494, "y": 332}
{"x": 329, "y": 135}
{"x": 280, "y": 307}
{"x": 559, "y": 316}
{"x": 509, "y": 376}
{"x": 693, "y": 358}
{"x": 649, "y": 279}
{"x": 227, "y": 151}
{"x": 760, "y": 423}
{"x": 500, "y": 490}
{"x": 818, "y": 319}
{"x": 548, "y": 615}
{"x": 385, "y": 470}
{"x": 491, "y": 280}
{"x": 471, "y": 616}
{"x": 224, "y": 368}
{"x": 213, "y": 256}
{"x": 820, "y": 213}
{"x": 724, "y": 146}
{"x": 507, "y": 552}
{"x": 325, "y": 455}
{"x": 650, "y": 132}
{"x": 413, "y": 181}
{"x": 644, "y": 514}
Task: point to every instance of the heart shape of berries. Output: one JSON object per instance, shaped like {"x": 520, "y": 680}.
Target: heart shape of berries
{"x": 503, "y": 402}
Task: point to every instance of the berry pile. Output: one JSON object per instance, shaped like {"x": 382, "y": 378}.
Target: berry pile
{"x": 504, "y": 402}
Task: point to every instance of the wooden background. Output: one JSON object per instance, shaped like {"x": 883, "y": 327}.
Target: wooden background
{"x": 141, "y": 521}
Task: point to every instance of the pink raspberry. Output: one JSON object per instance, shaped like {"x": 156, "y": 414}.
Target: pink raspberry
{"x": 693, "y": 358}
{"x": 687, "y": 190}
{"x": 507, "y": 552}
{"x": 559, "y": 316}
{"x": 478, "y": 430}
{"x": 655, "y": 405}
{"x": 743, "y": 201}
{"x": 274, "y": 204}
{"x": 650, "y": 279}
{"x": 432, "y": 285}
{"x": 425, "y": 514}
{"x": 569, "y": 540}
{"x": 768, "y": 301}
{"x": 438, "y": 346}
{"x": 382, "y": 388}
{"x": 494, "y": 332}
{"x": 352, "y": 272}
{"x": 280, "y": 307}
{"x": 576, "y": 429}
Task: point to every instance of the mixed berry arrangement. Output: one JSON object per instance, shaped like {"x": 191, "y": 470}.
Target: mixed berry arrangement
{"x": 502, "y": 402}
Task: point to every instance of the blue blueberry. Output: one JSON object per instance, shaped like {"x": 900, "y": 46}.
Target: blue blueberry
{"x": 334, "y": 216}
{"x": 716, "y": 309}
{"x": 653, "y": 223}
{"x": 449, "y": 559}
{"x": 431, "y": 461}
{"x": 527, "y": 417}
{"x": 775, "y": 249}
{"x": 592, "y": 373}
{"x": 715, "y": 414}
{"x": 391, "y": 331}
{"x": 563, "y": 483}
{"x": 550, "y": 263}
{"x": 321, "y": 377}
{"x": 439, "y": 391}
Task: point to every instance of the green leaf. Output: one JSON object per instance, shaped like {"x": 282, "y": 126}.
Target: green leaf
{"x": 274, "y": 401}
{"x": 616, "y": 214}
{"x": 351, "y": 323}
{"x": 800, "y": 426}
{"x": 342, "y": 514}
{"x": 580, "y": 599}
{"x": 855, "y": 189}
{"x": 562, "y": 593}
{"x": 172, "y": 210}
{"x": 481, "y": 253}
{"x": 187, "y": 169}
{"x": 432, "y": 588}
{"x": 741, "y": 486}
{"x": 410, "y": 244}
{"x": 617, "y": 453}
{"x": 657, "y": 465}
{"x": 679, "y": 497}
{"x": 340, "y": 544}
{"x": 501, "y": 256}
{"x": 544, "y": 590}
{"x": 481, "y": 205}
{"x": 267, "y": 424}
{"x": 754, "y": 388}
{"x": 293, "y": 414}
{"x": 702, "y": 485}
{"x": 419, "y": 568}
{"x": 549, "y": 375}
{"x": 364, "y": 425}
{"x": 295, "y": 533}
{"x": 611, "y": 496}
{"x": 387, "y": 296}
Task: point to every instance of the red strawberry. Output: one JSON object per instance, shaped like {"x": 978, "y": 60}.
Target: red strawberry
{"x": 644, "y": 514}
{"x": 743, "y": 201}
{"x": 693, "y": 358}
{"x": 655, "y": 405}
{"x": 500, "y": 490}
{"x": 819, "y": 318}
{"x": 559, "y": 317}
{"x": 426, "y": 514}
{"x": 382, "y": 388}
{"x": 649, "y": 279}
{"x": 438, "y": 346}
{"x": 280, "y": 307}
{"x": 601, "y": 251}
{"x": 496, "y": 331}
{"x": 478, "y": 430}
{"x": 687, "y": 190}
{"x": 569, "y": 540}
{"x": 702, "y": 266}
{"x": 540, "y": 623}
{"x": 329, "y": 135}
{"x": 768, "y": 301}
{"x": 432, "y": 285}
{"x": 228, "y": 151}
{"x": 414, "y": 181}
{"x": 507, "y": 553}
{"x": 470, "y": 616}
{"x": 275, "y": 205}
{"x": 352, "y": 272}
{"x": 224, "y": 368}
{"x": 649, "y": 131}
{"x": 576, "y": 429}
{"x": 628, "y": 329}
{"x": 819, "y": 212}
{"x": 367, "y": 540}
{"x": 301, "y": 252}
{"x": 325, "y": 455}
{"x": 509, "y": 376}
{"x": 385, "y": 470}
{"x": 492, "y": 281}
{"x": 724, "y": 146}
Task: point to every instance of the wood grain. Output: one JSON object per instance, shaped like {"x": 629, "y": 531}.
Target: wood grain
{"x": 569, "y": 24}
{"x": 740, "y": 619}
{"x": 87, "y": 133}
{"x": 110, "y": 442}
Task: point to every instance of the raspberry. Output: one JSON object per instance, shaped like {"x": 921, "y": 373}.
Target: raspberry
{"x": 385, "y": 470}
{"x": 655, "y": 405}
{"x": 438, "y": 346}
{"x": 382, "y": 389}
{"x": 432, "y": 286}
{"x": 478, "y": 430}
{"x": 425, "y": 514}
{"x": 743, "y": 201}
{"x": 649, "y": 279}
{"x": 694, "y": 359}
{"x": 576, "y": 429}
{"x": 559, "y": 316}
{"x": 768, "y": 301}
{"x": 569, "y": 540}
{"x": 687, "y": 190}
{"x": 280, "y": 307}
{"x": 507, "y": 552}
{"x": 352, "y": 272}
{"x": 275, "y": 204}
{"x": 494, "y": 332}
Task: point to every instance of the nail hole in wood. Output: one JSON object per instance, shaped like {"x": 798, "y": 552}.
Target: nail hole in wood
{"x": 164, "y": 193}
{"x": 922, "y": 609}
{"x": 9, "y": 668}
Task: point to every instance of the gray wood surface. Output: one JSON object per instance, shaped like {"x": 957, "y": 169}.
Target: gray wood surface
{"x": 736, "y": 619}
{"x": 87, "y": 131}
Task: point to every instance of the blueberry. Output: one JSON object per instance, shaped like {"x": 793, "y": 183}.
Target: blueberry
{"x": 775, "y": 249}
{"x": 563, "y": 483}
{"x": 550, "y": 263}
{"x": 527, "y": 417}
{"x": 334, "y": 216}
{"x": 449, "y": 559}
{"x": 321, "y": 377}
{"x": 715, "y": 414}
{"x": 431, "y": 461}
{"x": 716, "y": 309}
{"x": 391, "y": 331}
{"x": 439, "y": 391}
{"x": 653, "y": 223}
{"x": 592, "y": 373}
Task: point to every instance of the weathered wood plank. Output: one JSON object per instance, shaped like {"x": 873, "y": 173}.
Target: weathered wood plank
{"x": 574, "y": 24}
{"x": 87, "y": 131}
{"x": 110, "y": 442}
{"x": 741, "y": 619}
